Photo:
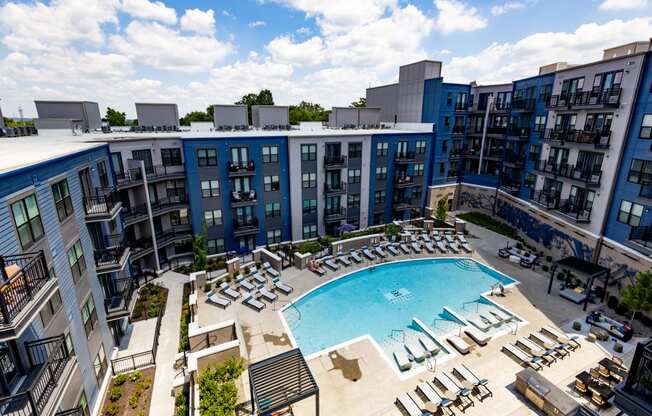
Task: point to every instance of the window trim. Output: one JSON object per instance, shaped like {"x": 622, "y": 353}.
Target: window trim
{"x": 64, "y": 202}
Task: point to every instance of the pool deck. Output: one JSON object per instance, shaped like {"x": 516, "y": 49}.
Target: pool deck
{"x": 357, "y": 380}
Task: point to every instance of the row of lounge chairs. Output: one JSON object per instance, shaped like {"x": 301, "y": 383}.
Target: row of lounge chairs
{"x": 445, "y": 392}
{"x": 542, "y": 348}
{"x": 479, "y": 337}
{"x": 416, "y": 350}
{"x": 488, "y": 318}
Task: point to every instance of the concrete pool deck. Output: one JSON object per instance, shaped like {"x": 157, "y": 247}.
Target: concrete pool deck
{"x": 357, "y": 380}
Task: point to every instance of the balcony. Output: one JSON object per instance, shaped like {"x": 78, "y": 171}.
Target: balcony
{"x": 114, "y": 256}
{"x": 140, "y": 247}
{"x": 456, "y": 153}
{"x": 245, "y": 226}
{"x": 642, "y": 236}
{"x": 574, "y": 211}
{"x": 524, "y": 105}
{"x": 25, "y": 283}
{"x": 171, "y": 203}
{"x": 461, "y": 106}
{"x": 105, "y": 206}
{"x": 459, "y": 130}
{"x": 243, "y": 198}
{"x": 162, "y": 172}
{"x": 588, "y": 177}
{"x": 118, "y": 304}
{"x": 46, "y": 375}
{"x": 646, "y": 190}
{"x": 405, "y": 182}
{"x": 334, "y": 214}
{"x": 598, "y": 139}
{"x": 172, "y": 235}
{"x": 404, "y": 204}
{"x": 238, "y": 169}
{"x": 335, "y": 188}
{"x": 548, "y": 198}
{"x": 404, "y": 157}
{"x": 132, "y": 215}
{"x": 334, "y": 162}
{"x": 497, "y": 130}
{"x": 128, "y": 178}
{"x": 515, "y": 132}
{"x": 510, "y": 186}
{"x": 586, "y": 99}
{"x": 514, "y": 159}
{"x": 75, "y": 411}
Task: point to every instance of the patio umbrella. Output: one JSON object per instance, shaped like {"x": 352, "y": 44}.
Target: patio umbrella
{"x": 345, "y": 228}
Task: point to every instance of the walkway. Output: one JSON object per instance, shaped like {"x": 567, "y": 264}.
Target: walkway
{"x": 162, "y": 399}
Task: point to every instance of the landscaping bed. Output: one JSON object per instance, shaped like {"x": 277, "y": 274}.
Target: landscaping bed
{"x": 490, "y": 223}
{"x": 129, "y": 394}
{"x": 150, "y": 303}
{"x": 184, "y": 342}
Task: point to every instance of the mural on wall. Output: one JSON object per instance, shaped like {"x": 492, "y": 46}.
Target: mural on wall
{"x": 545, "y": 234}
{"x": 622, "y": 273}
{"x": 477, "y": 200}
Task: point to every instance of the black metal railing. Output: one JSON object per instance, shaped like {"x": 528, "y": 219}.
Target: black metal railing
{"x": 642, "y": 234}
{"x": 589, "y": 176}
{"x": 523, "y": 104}
{"x": 141, "y": 359}
{"x": 404, "y": 157}
{"x": 459, "y": 129}
{"x": 516, "y": 131}
{"x": 335, "y": 188}
{"x": 515, "y": 158}
{"x": 461, "y": 106}
{"x": 334, "y": 214}
{"x": 241, "y": 168}
{"x": 575, "y": 211}
{"x": 599, "y": 139}
{"x": 510, "y": 185}
{"x": 112, "y": 253}
{"x": 119, "y": 301}
{"x": 403, "y": 180}
{"x": 497, "y": 130}
{"x": 101, "y": 204}
{"x": 132, "y": 213}
{"x": 400, "y": 204}
{"x": 162, "y": 172}
{"x": 169, "y": 202}
{"x": 129, "y": 177}
{"x": 173, "y": 234}
{"x": 243, "y": 196}
{"x": 140, "y": 246}
{"x": 334, "y": 161}
{"x": 602, "y": 98}
{"x": 456, "y": 153}
{"x": 23, "y": 275}
{"x": 549, "y": 198}
{"x": 75, "y": 411}
{"x": 245, "y": 226}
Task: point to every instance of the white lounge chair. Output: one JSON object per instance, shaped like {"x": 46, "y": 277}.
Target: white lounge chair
{"x": 487, "y": 316}
{"x": 466, "y": 247}
{"x": 272, "y": 272}
{"x": 523, "y": 357}
{"x": 259, "y": 278}
{"x": 549, "y": 344}
{"x": 429, "y": 345}
{"x": 477, "y": 336}
{"x": 547, "y": 356}
{"x": 328, "y": 261}
{"x": 392, "y": 249}
{"x": 269, "y": 296}
{"x": 480, "y": 386}
{"x": 462, "y": 239}
{"x": 344, "y": 260}
{"x": 441, "y": 246}
{"x": 449, "y": 239}
{"x": 431, "y": 394}
{"x": 213, "y": 297}
{"x": 315, "y": 267}
{"x": 415, "y": 350}
{"x": 479, "y": 322}
{"x": 404, "y": 248}
{"x": 429, "y": 247}
{"x": 454, "y": 247}
{"x": 243, "y": 282}
{"x": 459, "y": 344}
{"x": 368, "y": 254}
{"x": 561, "y": 337}
{"x": 381, "y": 253}
{"x": 500, "y": 315}
{"x": 416, "y": 247}
{"x": 356, "y": 256}
{"x": 229, "y": 291}
{"x": 402, "y": 360}
{"x": 409, "y": 405}
{"x": 425, "y": 237}
{"x": 282, "y": 286}
{"x": 253, "y": 302}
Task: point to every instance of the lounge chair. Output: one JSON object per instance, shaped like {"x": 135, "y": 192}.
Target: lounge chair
{"x": 549, "y": 344}
{"x": 479, "y": 385}
{"x": 416, "y": 247}
{"x": 480, "y": 323}
{"x": 502, "y": 316}
{"x": 430, "y": 393}
{"x": 368, "y": 254}
{"x": 449, "y": 239}
{"x": 402, "y": 360}
{"x": 282, "y": 286}
{"x": 466, "y": 247}
{"x": 409, "y": 405}
{"x": 461, "y": 393}
{"x": 522, "y": 356}
{"x": 356, "y": 256}
{"x": 243, "y": 282}
{"x": 462, "y": 239}
{"x": 573, "y": 295}
{"x": 315, "y": 268}
{"x": 259, "y": 278}
{"x": 441, "y": 246}
{"x": 547, "y": 356}
{"x": 381, "y": 253}
{"x": 229, "y": 291}
{"x": 429, "y": 248}
{"x": 454, "y": 247}
{"x": 271, "y": 271}
{"x": 429, "y": 345}
{"x": 328, "y": 261}
{"x": 213, "y": 297}
{"x": 561, "y": 337}
{"x": 477, "y": 336}
{"x": 344, "y": 260}
{"x": 487, "y": 316}
{"x": 251, "y": 301}
{"x": 269, "y": 296}
{"x": 459, "y": 344}
{"x": 404, "y": 248}
{"x": 392, "y": 249}
{"x": 415, "y": 350}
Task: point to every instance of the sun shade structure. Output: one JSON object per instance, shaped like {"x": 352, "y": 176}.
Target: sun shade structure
{"x": 279, "y": 381}
{"x": 590, "y": 271}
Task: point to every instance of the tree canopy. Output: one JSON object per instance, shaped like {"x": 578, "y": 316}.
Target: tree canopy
{"x": 639, "y": 295}
{"x": 306, "y": 111}
{"x": 360, "y": 102}
{"x": 264, "y": 97}
{"x": 115, "y": 117}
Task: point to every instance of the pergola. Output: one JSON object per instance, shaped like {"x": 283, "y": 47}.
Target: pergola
{"x": 589, "y": 270}
{"x": 280, "y": 381}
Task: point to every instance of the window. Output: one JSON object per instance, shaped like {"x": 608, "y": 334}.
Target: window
{"x": 416, "y": 194}
{"x": 103, "y": 174}
{"x": 539, "y": 123}
{"x": 273, "y": 236}
{"x": 534, "y": 152}
{"x": 353, "y": 201}
{"x": 215, "y": 245}
{"x": 381, "y": 148}
{"x": 309, "y": 180}
{"x": 640, "y": 171}
{"x": 379, "y": 218}
{"x": 630, "y": 213}
{"x": 309, "y": 231}
{"x": 100, "y": 365}
{"x": 76, "y": 261}
{"x": 646, "y": 127}
{"x": 355, "y": 221}
{"x": 271, "y": 183}
{"x": 89, "y": 315}
{"x": 354, "y": 175}
{"x": 213, "y": 217}
{"x": 379, "y": 197}
{"x": 355, "y": 150}
{"x": 206, "y": 157}
{"x": 381, "y": 174}
{"x": 270, "y": 154}
{"x": 50, "y": 308}
{"x": 308, "y": 152}
{"x": 210, "y": 188}
{"x": 309, "y": 206}
{"x": 179, "y": 217}
{"x": 69, "y": 345}
{"x": 28, "y": 221}
{"x": 447, "y": 121}
{"x": 442, "y": 168}
{"x": 449, "y": 98}
{"x": 273, "y": 209}
{"x": 530, "y": 180}
{"x": 116, "y": 161}
{"x": 421, "y": 147}
{"x": 62, "y": 199}
{"x": 171, "y": 157}
{"x": 418, "y": 169}
{"x": 444, "y": 146}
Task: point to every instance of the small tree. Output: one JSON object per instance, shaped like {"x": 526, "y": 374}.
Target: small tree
{"x": 360, "y": 102}
{"x": 218, "y": 394}
{"x": 199, "y": 250}
{"x": 115, "y": 117}
{"x": 639, "y": 295}
{"x": 442, "y": 210}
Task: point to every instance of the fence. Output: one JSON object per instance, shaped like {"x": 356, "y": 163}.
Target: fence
{"x": 139, "y": 360}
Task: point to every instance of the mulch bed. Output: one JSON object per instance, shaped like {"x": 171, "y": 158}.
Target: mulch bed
{"x": 152, "y": 299}
{"x": 129, "y": 389}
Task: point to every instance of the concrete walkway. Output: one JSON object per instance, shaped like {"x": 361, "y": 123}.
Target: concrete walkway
{"x": 162, "y": 399}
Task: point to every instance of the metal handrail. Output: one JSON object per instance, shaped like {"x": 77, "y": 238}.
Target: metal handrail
{"x": 19, "y": 288}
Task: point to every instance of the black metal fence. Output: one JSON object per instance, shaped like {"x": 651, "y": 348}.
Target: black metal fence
{"x": 139, "y": 360}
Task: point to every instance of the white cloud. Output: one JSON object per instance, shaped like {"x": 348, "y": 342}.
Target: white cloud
{"x": 284, "y": 50}
{"x": 303, "y": 30}
{"x": 445, "y": 52}
{"x": 145, "y": 9}
{"x": 455, "y": 16}
{"x": 164, "y": 48}
{"x": 198, "y": 21}
{"x": 227, "y": 14}
{"x": 622, "y": 4}
{"x": 504, "y": 62}
{"x": 257, "y": 23}
{"x": 506, "y": 7}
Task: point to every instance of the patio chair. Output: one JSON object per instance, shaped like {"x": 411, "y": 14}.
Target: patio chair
{"x": 429, "y": 247}
{"x": 265, "y": 293}
{"x": 461, "y": 393}
{"x": 547, "y": 356}
{"x": 459, "y": 344}
{"x": 368, "y": 254}
{"x": 480, "y": 385}
{"x": 409, "y": 405}
{"x": 381, "y": 253}
{"x": 251, "y": 301}
{"x": 229, "y": 291}
{"x": 561, "y": 337}
{"x": 282, "y": 286}
{"x": 522, "y": 357}
{"x": 429, "y": 345}
{"x": 259, "y": 278}
{"x": 415, "y": 350}
{"x": 477, "y": 336}
{"x": 416, "y": 247}
{"x": 243, "y": 282}
{"x": 404, "y": 248}
{"x": 392, "y": 249}
{"x": 356, "y": 256}
{"x": 402, "y": 360}
{"x": 216, "y": 299}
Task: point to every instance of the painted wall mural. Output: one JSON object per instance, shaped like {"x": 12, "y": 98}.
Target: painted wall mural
{"x": 477, "y": 200}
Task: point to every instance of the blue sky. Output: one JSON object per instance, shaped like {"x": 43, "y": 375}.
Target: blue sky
{"x": 198, "y": 52}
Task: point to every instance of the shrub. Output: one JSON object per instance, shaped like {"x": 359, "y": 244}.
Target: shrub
{"x": 392, "y": 230}
{"x": 309, "y": 247}
{"x": 144, "y": 384}
{"x": 519, "y": 246}
{"x": 561, "y": 276}
{"x": 134, "y": 399}
{"x": 218, "y": 394}
{"x": 112, "y": 409}
{"x": 120, "y": 379}
{"x": 545, "y": 268}
{"x": 207, "y": 287}
{"x": 135, "y": 376}
{"x": 181, "y": 404}
{"x": 548, "y": 259}
{"x": 115, "y": 394}
{"x": 622, "y": 309}
{"x": 490, "y": 223}
{"x": 246, "y": 270}
{"x": 612, "y": 302}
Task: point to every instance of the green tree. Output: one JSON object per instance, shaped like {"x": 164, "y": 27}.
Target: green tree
{"x": 639, "y": 295}
{"x": 264, "y": 97}
{"x": 361, "y": 102}
{"x": 306, "y": 111}
{"x": 199, "y": 250}
{"x": 218, "y": 394}
{"x": 115, "y": 117}
{"x": 195, "y": 116}
{"x": 10, "y": 122}
{"x": 210, "y": 110}
{"x": 442, "y": 210}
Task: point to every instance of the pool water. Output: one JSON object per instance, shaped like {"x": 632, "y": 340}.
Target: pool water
{"x": 381, "y": 301}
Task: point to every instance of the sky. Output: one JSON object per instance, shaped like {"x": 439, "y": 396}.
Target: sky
{"x": 198, "y": 52}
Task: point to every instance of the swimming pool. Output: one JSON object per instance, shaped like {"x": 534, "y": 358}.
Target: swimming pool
{"x": 383, "y": 299}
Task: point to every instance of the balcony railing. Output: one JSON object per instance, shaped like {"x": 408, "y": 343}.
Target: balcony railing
{"x": 76, "y": 411}
{"x": 599, "y": 139}
{"x": 163, "y": 204}
{"x": 335, "y": 162}
{"x": 575, "y": 211}
{"x": 140, "y": 247}
{"x": 241, "y": 168}
{"x": 514, "y": 158}
{"x": 335, "y": 188}
{"x": 118, "y": 304}
{"x": 456, "y": 153}
{"x": 132, "y": 214}
{"x": 404, "y": 181}
{"x": 23, "y": 276}
{"x": 520, "y": 132}
{"x": 641, "y": 235}
{"x": 158, "y": 172}
{"x": 600, "y": 98}
{"x": 178, "y": 233}
{"x": 549, "y": 198}
{"x": 497, "y": 130}
{"x": 245, "y": 226}
{"x": 523, "y": 104}
{"x": 113, "y": 256}
{"x": 402, "y": 204}
{"x": 404, "y": 157}
{"x": 590, "y": 177}
{"x": 461, "y": 106}
{"x": 459, "y": 129}
{"x": 334, "y": 214}
{"x": 129, "y": 177}
{"x": 101, "y": 206}
{"x": 646, "y": 190}
{"x": 242, "y": 198}
{"x": 510, "y": 185}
